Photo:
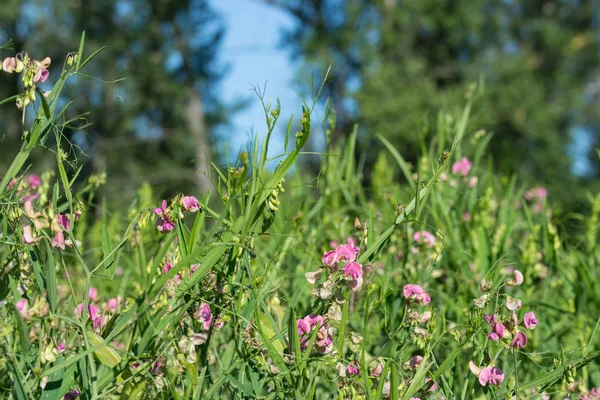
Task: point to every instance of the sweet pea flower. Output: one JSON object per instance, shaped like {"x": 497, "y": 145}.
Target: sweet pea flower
{"x": 167, "y": 267}
{"x": 204, "y": 316}
{"x": 513, "y": 304}
{"x": 312, "y": 277}
{"x": 93, "y": 294}
{"x": 324, "y": 340}
{"x": 61, "y": 347}
{"x": 41, "y": 75}
{"x": 112, "y": 304}
{"x": 28, "y": 237}
{"x": 34, "y": 181}
{"x": 416, "y": 293}
{"x": 347, "y": 252}
{"x": 516, "y": 280}
{"x": 462, "y": 167}
{"x": 190, "y": 203}
{"x": 164, "y": 223}
{"x": 529, "y": 320}
{"x": 490, "y": 374}
{"x": 519, "y": 340}
{"x": 9, "y": 64}
{"x": 353, "y": 272}
{"x": 59, "y": 240}
{"x": 425, "y": 237}
{"x": 330, "y": 258}
{"x": 498, "y": 332}
{"x": 23, "y": 307}
{"x": 353, "y": 368}
{"x": 64, "y": 221}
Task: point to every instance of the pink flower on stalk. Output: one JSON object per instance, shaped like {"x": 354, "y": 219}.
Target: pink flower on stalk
{"x": 425, "y": 237}
{"x": 324, "y": 340}
{"x": 164, "y": 223}
{"x": 59, "y": 240}
{"x": 23, "y": 307}
{"x": 61, "y": 347}
{"x": 28, "y": 237}
{"x": 167, "y": 267}
{"x": 93, "y": 311}
{"x": 353, "y": 272}
{"x": 516, "y": 280}
{"x": 498, "y": 332}
{"x": 416, "y": 293}
{"x": 347, "y": 252}
{"x": 34, "y": 181}
{"x": 490, "y": 374}
{"x": 190, "y": 203}
{"x": 529, "y": 320}
{"x": 41, "y": 75}
{"x": 64, "y": 221}
{"x": 330, "y": 258}
{"x": 204, "y": 316}
{"x": 519, "y": 340}
{"x": 93, "y": 294}
{"x": 462, "y": 167}
{"x": 112, "y": 304}
{"x": 353, "y": 368}
{"x": 513, "y": 304}
{"x": 9, "y": 64}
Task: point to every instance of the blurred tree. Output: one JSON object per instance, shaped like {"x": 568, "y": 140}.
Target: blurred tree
{"x": 151, "y": 93}
{"x": 397, "y": 62}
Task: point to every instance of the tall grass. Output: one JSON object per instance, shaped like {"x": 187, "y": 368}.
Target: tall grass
{"x": 260, "y": 296}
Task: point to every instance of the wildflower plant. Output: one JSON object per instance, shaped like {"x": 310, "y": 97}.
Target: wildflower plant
{"x": 438, "y": 281}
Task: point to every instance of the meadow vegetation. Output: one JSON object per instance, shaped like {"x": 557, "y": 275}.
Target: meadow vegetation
{"x": 435, "y": 280}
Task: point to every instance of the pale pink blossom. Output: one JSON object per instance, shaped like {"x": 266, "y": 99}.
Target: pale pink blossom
{"x": 425, "y": 237}
{"x": 23, "y": 307}
{"x": 59, "y": 240}
{"x": 490, "y": 374}
{"x": 204, "y": 316}
{"x": 112, "y": 304}
{"x": 462, "y": 167}
{"x": 516, "y": 280}
{"x": 519, "y": 340}
{"x": 513, "y": 304}
{"x": 312, "y": 277}
{"x": 28, "y": 237}
{"x": 529, "y": 320}
{"x": 93, "y": 294}
{"x": 9, "y": 64}
{"x": 164, "y": 223}
{"x": 416, "y": 293}
{"x": 473, "y": 181}
{"x": 190, "y": 203}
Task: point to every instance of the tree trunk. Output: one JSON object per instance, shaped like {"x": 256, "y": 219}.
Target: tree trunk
{"x": 194, "y": 115}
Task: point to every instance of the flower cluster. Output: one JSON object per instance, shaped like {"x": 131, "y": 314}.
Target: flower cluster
{"x": 166, "y": 213}
{"x": 342, "y": 265}
{"x": 487, "y": 375}
{"x": 323, "y": 341}
{"x": 32, "y": 72}
{"x": 461, "y": 168}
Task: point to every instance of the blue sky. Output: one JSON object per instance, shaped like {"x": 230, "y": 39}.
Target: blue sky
{"x": 252, "y": 52}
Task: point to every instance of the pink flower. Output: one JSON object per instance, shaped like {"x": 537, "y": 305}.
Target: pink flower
{"x": 99, "y": 323}
{"x": 41, "y": 75}
{"x": 34, "y": 181}
{"x": 492, "y": 375}
{"x": 93, "y": 311}
{"x": 167, "y": 267}
{"x": 466, "y": 216}
{"x": 473, "y": 181}
{"x": 23, "y": 307}
{"x": 164, "y": 223}
{"x": 462, "y": 167}
{"x": 347, "y": 252}
{"x": 28, "y": 237}
{"x": 190, "y": 203}
{"x": 63, "y": 220}
{"x": 112, "y": 304}
{"x": 416, "y": 293}
{"x": 498, "y": 332}
{"x": 519, "y": 340}
{"x": 9, "y": 64}
{"x": 529, "y": 320}
{"x": 490, "y": 319}
{"x": 93, "y": 294}
{"x": 59, "y": 240}
{"x": 517, "y": 278}
{"x": 204, "y": 316}
{"x": 425, "y": 237}
{"x": 513, "y": 304}
{"x": 353, "y": 272}
{"x": 303, "y": 326}
{"x": 353, "y": 368}
{"x": 324, "y": 340}
{"x": 61, "y": 347}
{"x": 330, "y": 258}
